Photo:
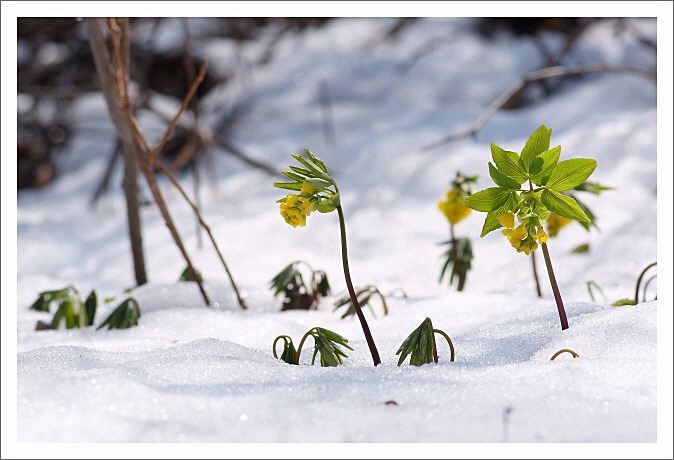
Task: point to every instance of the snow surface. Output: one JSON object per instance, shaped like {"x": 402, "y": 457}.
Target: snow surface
{"x": 195, "y": 374}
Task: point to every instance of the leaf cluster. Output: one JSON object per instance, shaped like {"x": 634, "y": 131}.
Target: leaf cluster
{"x": 325, "y": 196}
{"x": 78, "y": 313}
{"x": 539, "y": 165}
{"x": 459, "y": 255}
{"x": 299, "y": 294}
{"x": 420, "y": 345}
{"x": 363, "y": 296}
{"x": 328, "y": 345}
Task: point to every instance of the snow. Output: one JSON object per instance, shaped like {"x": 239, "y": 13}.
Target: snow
{"x": 201, "y": 375}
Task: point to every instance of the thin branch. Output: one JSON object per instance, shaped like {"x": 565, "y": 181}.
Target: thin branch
{"x": 514, "y": 91}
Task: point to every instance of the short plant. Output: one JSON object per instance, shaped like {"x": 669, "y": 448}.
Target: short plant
{"x": 126, "y": 315}
{"x": 459, "y": 253}
{"x": 317, "y": 191}
{"x": 546, "y": 177}
{"x": 421, "y": 347}
{"x": 326, "y": 343}
{"x": 621, "y": 302}
{"x": 297, "y": 293}
{"x": 78, "y": 313}
{"x": 71, "y": 308}
{"x": 363, "y": 294}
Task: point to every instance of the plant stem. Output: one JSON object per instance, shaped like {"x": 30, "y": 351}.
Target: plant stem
{"x": 455, "y": 259}
{"x": 533, "y": 267}
{"x": 555, "y": 289}
{"x": 636, "y": 294}
{"x": 352, "y": 294}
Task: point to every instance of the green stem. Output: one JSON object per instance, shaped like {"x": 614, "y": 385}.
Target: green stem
{"x": 455, "y": 259}
{"x": 555, "y": 288}
{"x": 449, "y": 341}
{"x": 352, "y": 294}
{"x": 299, "y": 347}
{"x": 285, "y": 339}
{"x": 636, "y": 294}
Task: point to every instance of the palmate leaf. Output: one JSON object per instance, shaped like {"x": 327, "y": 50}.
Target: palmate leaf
{"x": 491, "y": 222}
{"x": 562, "y": 205}
{"x": 549, "y": 159}
{"x": 316, "y": 170}
{"x": 503, "y": 180}
{"x": 537, "y": 143}
{"x": 508, "y": 163}
{"x": 570, "y": 173}
{"x": 488, "y": 199}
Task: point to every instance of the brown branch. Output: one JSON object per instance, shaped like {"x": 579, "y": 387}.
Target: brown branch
{"x": 514, "y": 92}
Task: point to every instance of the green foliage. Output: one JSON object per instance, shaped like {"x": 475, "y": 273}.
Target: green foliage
{"x": 363, "y": 296}
{"x": 186, "y": 275}
{"x": 126, "y": 315}
{"x": 420, "y": 345}
{"x": 299, "y": 295}
{"x": 328, "y": 345}
{"x": 459, "y": 255}
{"x": 540, "y": 166}
{"x": 71, "y": 309}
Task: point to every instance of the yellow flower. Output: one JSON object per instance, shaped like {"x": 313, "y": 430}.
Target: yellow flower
{"x": 527, "y": 245}
{"x": 295, "y": 210}
{"x": 541, "y": 236}
{"x": 515, "y": 235}
{"x": 507, "y": 219}
{"x": 555, "y": 223}
{"x": 307, "y": 189}
{"x": 453, "y": 209}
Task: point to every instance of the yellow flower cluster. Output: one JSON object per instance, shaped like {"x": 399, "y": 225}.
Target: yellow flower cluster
{"x": 297, "y": 207}
{"x": 453, "y": 208}
{"x": 518, "y": 236}
{"x": 555, "y": 223}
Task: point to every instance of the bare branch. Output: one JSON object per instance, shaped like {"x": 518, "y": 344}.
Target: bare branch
{"x": 514, "y": 91}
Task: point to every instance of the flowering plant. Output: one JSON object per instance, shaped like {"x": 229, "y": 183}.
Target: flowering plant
{"x": 326, "y": 342}
{"x": 459, "y": 254}
{"x": 546, "y": 179}
{"x": 318, "y": 192}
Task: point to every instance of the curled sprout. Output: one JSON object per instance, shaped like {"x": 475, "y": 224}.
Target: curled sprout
{"x": 421, "y": 346}
{"x": 327, "y": 344}
{"x": 564, "y": 350}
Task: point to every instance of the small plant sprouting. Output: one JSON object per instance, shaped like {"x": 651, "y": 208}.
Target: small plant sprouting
{"x": 71, "y": 308}
{"x": 564, "y": 350}
{"x": 546, "y": 179}
{"x": 299, "y": 295}
{"x": 421, "y": 347}
{"x": 592, "y": 284}
{"x": 126, "y": 315}
{"x": 363, "y": 294}
{"x": 459, "y": 254}
{"x": 78, "y": 313}
{"x": 187, "y": 275}
{"x": 621, "y": 302}
{"x": 317, "y": 191}
{"x": 326, "y": 343}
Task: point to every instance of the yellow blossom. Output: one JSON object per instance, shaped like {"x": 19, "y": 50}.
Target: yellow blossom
{"x": 295, "y": 210}
{"x": 555, "y": 223}
{"x": 541, "y": 236}
{"x": 507, "y": 219}
{"x": 307, "y": 189}
{"x": 453, "y": 209}
{"x": 527, "y": 245}
{"x": 515, "y": 235}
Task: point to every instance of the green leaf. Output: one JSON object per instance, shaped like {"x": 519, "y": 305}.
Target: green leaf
{"x": 508, "y": 163}
{"x": 90, "y": 305}
{"x": 491, "y": 222}
{"x": 488, "y": 199}
{"x": 563, "y": 205}
{"x": 289, "y": 185}
{"x": 318, "y": 183}
{"x": 622, "y": 302}
{"x": 503, "y": 180}
{"x": 537, "y": 143}
{"x": 592, "y": 187}
{"x": 316, "y": 170}
{"x": 328, "y": 204}
{"x": 549, "y": 160}
{"x": 317, "y": 161}
{"x": 570, "y": 173}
